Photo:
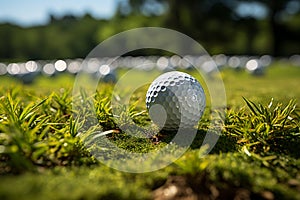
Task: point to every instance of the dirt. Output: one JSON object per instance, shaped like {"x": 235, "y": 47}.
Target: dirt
{"x": 199, "y": 188}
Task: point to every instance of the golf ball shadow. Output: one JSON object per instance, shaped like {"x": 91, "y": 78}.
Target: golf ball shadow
{"x": 158, "y": 115}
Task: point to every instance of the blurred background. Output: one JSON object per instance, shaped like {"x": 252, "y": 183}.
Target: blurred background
{"x": 44, "y": 30}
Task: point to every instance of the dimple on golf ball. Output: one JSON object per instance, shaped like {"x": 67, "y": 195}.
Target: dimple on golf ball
{"x": 175, "y": 100}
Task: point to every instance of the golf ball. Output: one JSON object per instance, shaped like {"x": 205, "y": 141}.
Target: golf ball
{"x": 175, "y": 100}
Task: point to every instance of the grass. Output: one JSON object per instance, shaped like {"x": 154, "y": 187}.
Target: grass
{"x": 43, "y": 151}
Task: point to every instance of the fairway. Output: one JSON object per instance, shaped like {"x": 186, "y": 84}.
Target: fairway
{"x": 44, "y": 152}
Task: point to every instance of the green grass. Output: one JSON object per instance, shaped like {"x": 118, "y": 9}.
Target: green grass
{"x": 43, "y": 151}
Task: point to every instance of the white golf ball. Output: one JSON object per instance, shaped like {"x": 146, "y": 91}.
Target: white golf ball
{"x": 175, "y": 100}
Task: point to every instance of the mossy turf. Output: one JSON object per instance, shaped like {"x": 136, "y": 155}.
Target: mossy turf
{"x": 44, "y": 154}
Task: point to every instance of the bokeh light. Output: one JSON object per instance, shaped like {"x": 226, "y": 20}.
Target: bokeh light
{"x": 60, "y": 65}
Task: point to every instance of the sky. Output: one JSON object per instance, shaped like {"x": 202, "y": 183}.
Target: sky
{"x": 36, "y": 12}
{"x": 253, "y": 9}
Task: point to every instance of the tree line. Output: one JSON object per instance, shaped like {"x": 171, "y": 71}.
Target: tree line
{"x": 214, "y": 24}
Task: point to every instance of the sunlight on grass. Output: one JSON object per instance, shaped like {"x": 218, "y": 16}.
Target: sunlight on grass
{"x": 41, "y": 151}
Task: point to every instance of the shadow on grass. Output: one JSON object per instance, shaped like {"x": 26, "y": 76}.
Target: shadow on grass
{"x": 224, "y": 144}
